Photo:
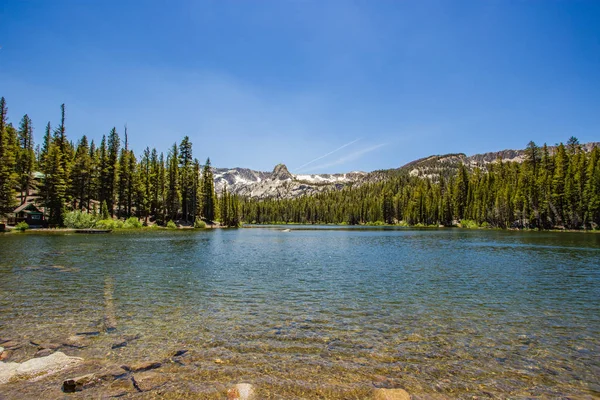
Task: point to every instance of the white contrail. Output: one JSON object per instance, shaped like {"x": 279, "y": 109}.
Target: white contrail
{"x": 328, "y": 154}
{"x": 349, "y": 157}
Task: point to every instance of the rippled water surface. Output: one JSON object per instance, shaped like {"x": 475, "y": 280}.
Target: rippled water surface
{"x": 321, "y": 313}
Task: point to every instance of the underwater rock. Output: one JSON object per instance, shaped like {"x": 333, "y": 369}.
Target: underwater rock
{"x": 12, "y": 345}
{"x": 76, "y": 341}
{"x": 241, "y": 391}
{"x": 43, "y": 353}
{"x": 149, "y": 380}
{"x": 390, "y": 394}
{"x": 37, "y": 367}
{"x": 78, "y": 384}
{"x": 119, "y": 345}
{"x": 143, "y": 366}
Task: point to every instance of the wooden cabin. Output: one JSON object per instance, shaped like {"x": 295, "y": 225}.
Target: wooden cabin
{"x": 29, "y": 213}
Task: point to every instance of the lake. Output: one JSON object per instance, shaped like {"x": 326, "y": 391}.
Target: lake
{"x": 315, "y": 312}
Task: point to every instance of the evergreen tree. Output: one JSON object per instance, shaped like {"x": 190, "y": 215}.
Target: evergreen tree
{"x": 8, "y": 177}
{"x": 186, "y": 173}
{"x": 173, "y": 192}
{"x": 124, "y": 181}
{"x": 208, "y": 193}
{"x": 25, "y": 157}
{"x": 112, "y": 170}
{"x": 81, "y": 176}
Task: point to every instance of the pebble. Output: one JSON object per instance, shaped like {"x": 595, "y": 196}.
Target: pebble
{"x": 5, "y": 354}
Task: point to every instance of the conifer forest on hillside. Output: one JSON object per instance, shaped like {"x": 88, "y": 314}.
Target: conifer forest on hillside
{"x": 556, "y": 188}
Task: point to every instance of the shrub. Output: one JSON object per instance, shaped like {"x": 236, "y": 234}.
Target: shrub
{"x": 104, "y": 210}
{"x": 22, "y": 226}
{"x": 107, "y": 224}
{"x": 198, "y": 223}
{"x": 79, "y": 220}
{"x": 469, "y": 224}
{"x": 171, "y": 225}
{"x": 132, "y": 223}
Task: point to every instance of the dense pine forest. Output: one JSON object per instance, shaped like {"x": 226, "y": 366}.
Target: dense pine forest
{"x": 558, "y": 189}
{"x": 552, "y": 188}
{"x": 106, "y": 180}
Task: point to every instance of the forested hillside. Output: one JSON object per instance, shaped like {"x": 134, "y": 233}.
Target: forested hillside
{"x": 61, "y": 176}
{"x": 556, "y": 187}
{"x": 558, "y": 190}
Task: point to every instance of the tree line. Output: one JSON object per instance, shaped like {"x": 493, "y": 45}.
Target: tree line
{"x": 552, "y": 188}
{"x": 84, "y": 176}
{"x": 556, "y": 187}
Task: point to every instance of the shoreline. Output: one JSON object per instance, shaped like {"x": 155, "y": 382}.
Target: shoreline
{"x": 12, "y": 230}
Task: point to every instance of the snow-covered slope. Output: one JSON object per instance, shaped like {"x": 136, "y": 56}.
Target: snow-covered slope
{"x": 279, "y": 183}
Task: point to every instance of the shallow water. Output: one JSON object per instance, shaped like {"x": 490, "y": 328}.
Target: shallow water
{"x": 320, "y": 313}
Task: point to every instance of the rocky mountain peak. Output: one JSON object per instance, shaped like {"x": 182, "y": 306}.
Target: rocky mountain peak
{"x": 281, "y": 173}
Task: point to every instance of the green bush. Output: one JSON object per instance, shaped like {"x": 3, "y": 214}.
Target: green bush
{"x": 469, "y": 224}
{"x": 198, "y": 223}
{"x": 132, "y": 223}
{"x": 22, "y": 226}
{"x": 171, "y": 225}
{"x": 79, "y": 220}
{"x": 108, "y": 224}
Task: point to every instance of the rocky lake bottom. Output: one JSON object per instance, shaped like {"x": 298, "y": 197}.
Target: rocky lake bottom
{"x": 306, "y": 314}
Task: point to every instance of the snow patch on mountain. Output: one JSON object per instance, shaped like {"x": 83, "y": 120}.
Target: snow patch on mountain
{"x": 279, "y": 183}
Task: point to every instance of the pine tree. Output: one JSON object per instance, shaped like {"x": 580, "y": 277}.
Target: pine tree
{"x": 186, "y": 171}
{"x": 173, "y": 192}
{"x": 55, "y": 186}
{"x": 124, "y": 181}
{"x": 208, "y": 193}
{"x": 112, "y": 169}
{"x": 46, "y": 145}
{"x": 8, "y": 177}
{"x": 25, "y": 157}
{"x": 224, "y": 207}
{"x": 81, "y": 175}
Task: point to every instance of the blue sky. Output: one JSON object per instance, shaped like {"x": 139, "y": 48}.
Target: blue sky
{"x": 332, "y": 86}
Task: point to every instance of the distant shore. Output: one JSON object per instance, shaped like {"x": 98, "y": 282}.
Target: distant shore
{"x": 155, "y": 228}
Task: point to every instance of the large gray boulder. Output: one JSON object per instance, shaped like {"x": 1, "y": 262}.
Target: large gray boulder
{"x": 37, "y": 368}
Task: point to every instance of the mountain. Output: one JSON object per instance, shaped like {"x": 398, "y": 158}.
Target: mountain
{"x": 280, "y": 183}
{"x": 436, "y": 165}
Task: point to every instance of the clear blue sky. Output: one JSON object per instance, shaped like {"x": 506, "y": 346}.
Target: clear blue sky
{"x": 255, "y": 83}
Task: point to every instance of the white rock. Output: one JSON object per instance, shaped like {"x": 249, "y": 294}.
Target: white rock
{"x": 37, "y": 367}
{"x": 1, "y": 349}
{"x": 241, "y": 391}
{"x": 390, "y": 394}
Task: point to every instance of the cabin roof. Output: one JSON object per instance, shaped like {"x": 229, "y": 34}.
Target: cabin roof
{"x": 28, "y": 207}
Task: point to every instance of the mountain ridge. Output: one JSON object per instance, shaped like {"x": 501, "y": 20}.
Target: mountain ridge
{"x": 281, "y": 183}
